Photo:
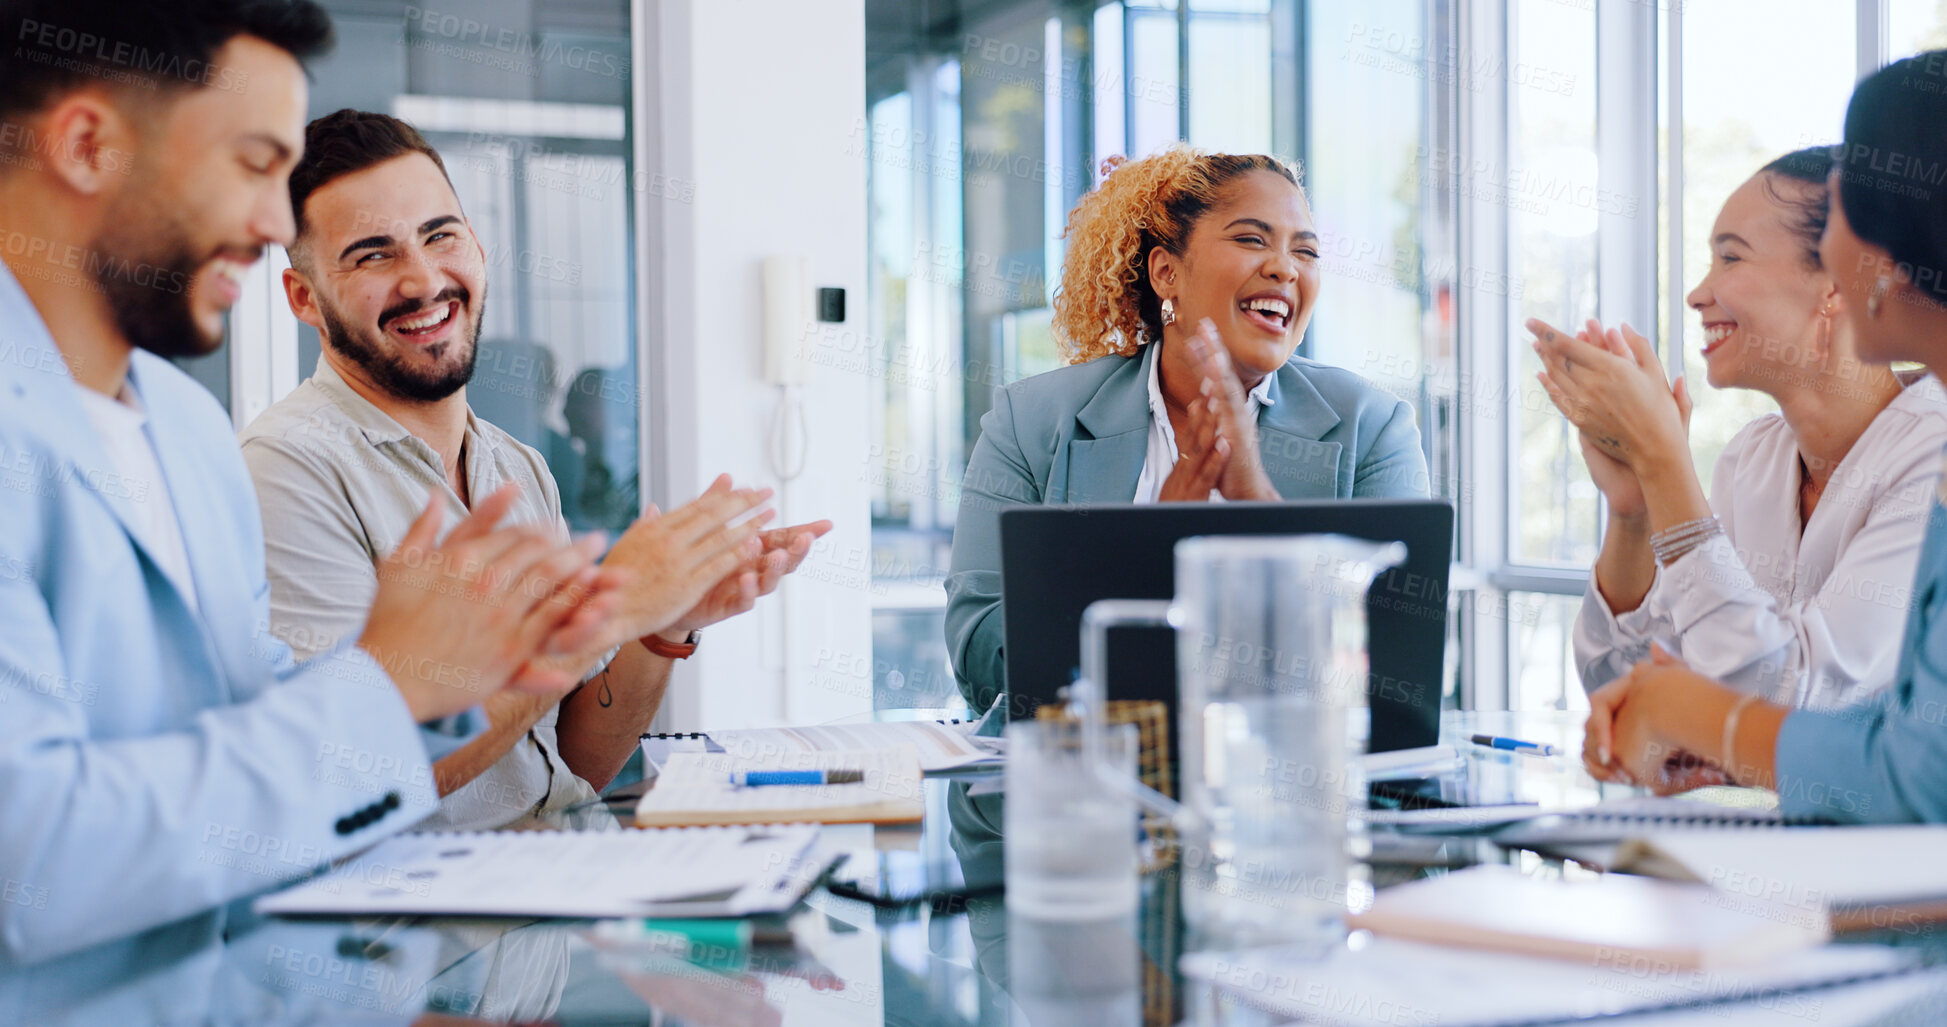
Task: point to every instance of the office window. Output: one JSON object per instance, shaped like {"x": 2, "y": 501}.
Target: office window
{"x": 1553, "y": 202}
{"x": 1374, "y": 184}
{"x": 1784, "y": 87}
{"x": 1229, "y": 99}
{"x": 1543, "y": 655}
{"x": 1154, "y": 79}
{"x": 1915, "y": 25}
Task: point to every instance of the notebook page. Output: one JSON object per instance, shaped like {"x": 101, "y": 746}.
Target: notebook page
{"x": 940, "y": 746}
{"x": 693, "y": 781}
{"x": 1388, "y": 982}
{"x": 547, "y": 873}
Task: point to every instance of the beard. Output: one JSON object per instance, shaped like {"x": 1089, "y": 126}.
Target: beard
{"x": 145, "y": 268}
{"x": 391, "y": 372}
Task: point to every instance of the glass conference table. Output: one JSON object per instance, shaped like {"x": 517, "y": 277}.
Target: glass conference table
{"x": 939, "y": 962}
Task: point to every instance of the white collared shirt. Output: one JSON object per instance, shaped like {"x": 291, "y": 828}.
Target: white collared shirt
{"x": 120, "y": 422}
{"x": 1162, "y": 453}
{"x": 1807, "y": 617}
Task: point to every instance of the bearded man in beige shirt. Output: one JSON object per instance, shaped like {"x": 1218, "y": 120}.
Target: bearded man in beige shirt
{"x": 386, "y": 267}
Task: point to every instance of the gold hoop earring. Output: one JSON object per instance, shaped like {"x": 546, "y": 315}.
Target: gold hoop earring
{"x": 1169, "y": 312}
{"x": 1878, "y": 297}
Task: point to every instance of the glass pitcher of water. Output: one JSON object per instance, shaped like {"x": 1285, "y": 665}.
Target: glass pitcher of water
{"x": 1271, "y": 660}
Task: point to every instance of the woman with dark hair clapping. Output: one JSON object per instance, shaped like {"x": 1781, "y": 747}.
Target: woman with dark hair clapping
{"x": 1782, "y": 583}
{"x": 1885, "y": 244}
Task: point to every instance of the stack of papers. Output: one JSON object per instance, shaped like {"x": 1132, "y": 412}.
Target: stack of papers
{"x": 687, "y": 873}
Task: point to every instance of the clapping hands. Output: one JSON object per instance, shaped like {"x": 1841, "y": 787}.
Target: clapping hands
{"x": 1217, "y": 447}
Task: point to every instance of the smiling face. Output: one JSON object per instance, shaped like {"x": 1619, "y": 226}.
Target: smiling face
{"x": 1250, "y": 266}
{"x": 207, "y": 193}
{"x": 1761, "y": 302}
{"x": 394, "y": 278}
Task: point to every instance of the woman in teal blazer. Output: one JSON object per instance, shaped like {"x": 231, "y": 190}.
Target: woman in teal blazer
{"x": 1189, "y": 281}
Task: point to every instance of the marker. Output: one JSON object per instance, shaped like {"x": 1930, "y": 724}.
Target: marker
{"x": 715, "y": 944}
{"x": 1515, "y": 745}
{"x": 755, "y": 778}
{"x": 725, "y": 933}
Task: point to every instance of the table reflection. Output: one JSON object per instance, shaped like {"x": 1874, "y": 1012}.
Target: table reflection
{"x": 956, "y": 958}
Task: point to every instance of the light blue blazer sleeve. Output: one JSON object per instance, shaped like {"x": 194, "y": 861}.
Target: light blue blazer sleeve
{"x": 1079, "y": 435}
{"x": 1885, "y": 762}
{"x": 159, "y": 759}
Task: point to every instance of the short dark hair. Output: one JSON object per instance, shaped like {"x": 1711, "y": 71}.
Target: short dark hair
{"x": 347, "y": 141}
{"x": 1808, "y": 167}
{"x": 149, "y": 45}
{"x": 1893, "y": 167}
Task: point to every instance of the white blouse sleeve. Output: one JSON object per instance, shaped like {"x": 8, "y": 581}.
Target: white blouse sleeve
{"x": 1839, "y": 644}
{"x": 1607, "y": 644}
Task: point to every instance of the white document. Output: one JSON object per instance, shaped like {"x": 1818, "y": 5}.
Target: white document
{"x": 1839, "y": 866}
{"x": 695, "y": 788}
{"x": 1388, "y": 982}
{"x": 713, "y": 871}
{"x": 940, "y": 746}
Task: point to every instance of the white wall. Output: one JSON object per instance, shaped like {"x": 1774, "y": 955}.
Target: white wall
{"x": 756, "y": 108}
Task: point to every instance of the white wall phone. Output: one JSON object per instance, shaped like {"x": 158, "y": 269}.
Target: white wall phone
{"x": 787, "y": 330}
{"x": 787, "y": 318}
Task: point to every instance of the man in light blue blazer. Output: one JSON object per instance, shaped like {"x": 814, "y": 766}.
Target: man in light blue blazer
{"x": 160, "y": 755}
{"x": 1182, "y": 385}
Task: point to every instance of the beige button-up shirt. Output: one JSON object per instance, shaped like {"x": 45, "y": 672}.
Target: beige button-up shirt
{"x": 340, "y": 482}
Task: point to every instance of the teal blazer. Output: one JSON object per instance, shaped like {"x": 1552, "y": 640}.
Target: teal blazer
{"x": 1080, "y": 434}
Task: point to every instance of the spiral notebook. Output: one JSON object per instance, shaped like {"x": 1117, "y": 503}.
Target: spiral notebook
{"x": 1614, "y": 820}
{"x": 688, "y": 872}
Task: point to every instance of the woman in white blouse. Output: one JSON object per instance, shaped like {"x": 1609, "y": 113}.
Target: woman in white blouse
{"x": 1793, "y": 581}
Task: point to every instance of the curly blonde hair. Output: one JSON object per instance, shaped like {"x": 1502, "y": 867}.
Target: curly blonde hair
{"x": 1105, "y": 303}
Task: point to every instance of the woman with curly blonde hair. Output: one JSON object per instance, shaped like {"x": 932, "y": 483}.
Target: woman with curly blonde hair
{"x": 1188, "y": 283}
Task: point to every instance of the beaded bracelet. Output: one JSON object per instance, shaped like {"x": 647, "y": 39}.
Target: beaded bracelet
{"x": 1672, "y": 543}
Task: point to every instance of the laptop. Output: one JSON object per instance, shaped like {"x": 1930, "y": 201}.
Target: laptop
{"x": 1056, "y": 560}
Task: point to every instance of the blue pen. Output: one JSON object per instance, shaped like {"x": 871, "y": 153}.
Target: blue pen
{"x": 1515, "y": 745}
{"x": 754, "y": 778}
